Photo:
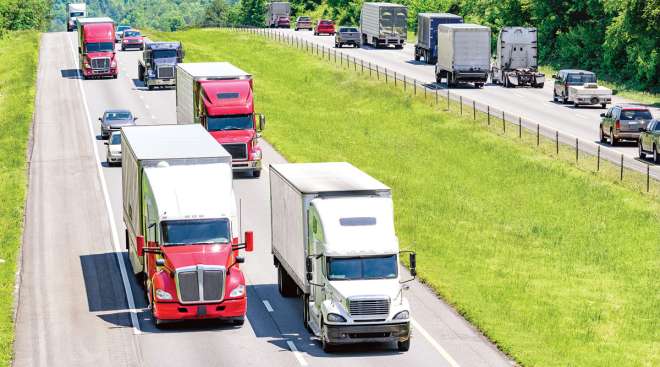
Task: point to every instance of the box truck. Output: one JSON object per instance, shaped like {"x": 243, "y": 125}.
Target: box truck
{"x": 384, "y": 24}
{"x": 516, "y": 63}
{"x": 73, "y": 12}
{"x": 278, "y": 14}
{"x": 182, "y": 232}
{"x": 220, "y": 97}
{"x": 427, "y": 34}
{"x": 463, "y": 54}
{"x": 96, "y": 47}
{"x": 333, "y": 243}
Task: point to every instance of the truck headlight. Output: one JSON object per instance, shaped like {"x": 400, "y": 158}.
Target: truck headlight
{"x": 113, "y": 64}
{"x": 238, "y": 291}
{"x": 163, "y": 295}
{"x": 333, "y": 317}
{"x": 256, "y": 155}
{"x": 403, "y": 315}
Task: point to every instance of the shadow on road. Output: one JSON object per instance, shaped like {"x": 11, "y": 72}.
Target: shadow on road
{"x": 70, "y": 74}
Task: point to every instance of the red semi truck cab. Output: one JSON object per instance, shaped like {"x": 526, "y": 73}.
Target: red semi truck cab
{"x": 220, "y": 97}
{"x": 96, "y": 47}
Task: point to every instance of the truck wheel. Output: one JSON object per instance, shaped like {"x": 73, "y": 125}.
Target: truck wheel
{"x": 540, "y": 85}
{"x": 285, "y": 284}
{"x": 613, "y": 140}
{"x": 403, "y": 346}
{"x": 575, "y": 105}
{"x": 416, "y": 54}
{"x": 564, "y": 99}
{"x": 305, "y": 303}
{"x": 642, "y": 155}
{"x": 151, "y": 87}
{"x": 256, "y": 173}
{"x": 325, "y": 344}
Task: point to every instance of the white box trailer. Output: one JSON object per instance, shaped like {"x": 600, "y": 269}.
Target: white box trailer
{"x": 188, "y": 76}
{"x": 384, "y": 24}
{"x": 73, "y": 12}
{"x": 516, "y": 62}
{"x": 463, "y": 54}
{"x": 275, "y": 10}
{"x": 328, "y": 217}
{"x": 145, "y": 147}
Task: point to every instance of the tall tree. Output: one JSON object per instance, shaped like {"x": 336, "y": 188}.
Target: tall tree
{"x": 252, "y": 12}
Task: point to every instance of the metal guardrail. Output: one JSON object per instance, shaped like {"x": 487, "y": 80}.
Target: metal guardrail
{"x": 466, "y": 106}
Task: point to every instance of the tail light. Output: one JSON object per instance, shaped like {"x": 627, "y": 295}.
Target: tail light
{"x": 617, "y": 124}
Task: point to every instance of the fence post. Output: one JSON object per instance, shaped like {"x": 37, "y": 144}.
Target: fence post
{"x": 404, "y": 82}
{"x": 447, "y": 99}
{"x": 557, "y": 140}
{"x": 519, "y": 127}
{"x": 386, "y": 76}
{"x": 648, "y": 178}
{"x": 362, "y": 64}
{"x": 621, "y": 167}
{"x": 474, "y": 110}
{"x": 460, "y": 101}
{"x": 414, "y": 86}
{"x": 576, "y": 149}
{"x": 378, "y": 72}
{"x": 424, "y": 91}
{"x": 436, "y": 96}
{"x": 395, "y": 78}
{"x": 503, "y": 123}
{"x": 538, "y": 136}
{"x": 369, "y": 69}
{"x": 598, "y": 160}
{"x": 488, "y": 112}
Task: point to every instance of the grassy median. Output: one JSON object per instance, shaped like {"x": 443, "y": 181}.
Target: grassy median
{"x": 556, "y": 266}
{"x": 18, "y": 65}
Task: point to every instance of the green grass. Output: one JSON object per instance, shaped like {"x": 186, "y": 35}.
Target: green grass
{"x": 556, "y": 266}
{"x": 652, "y": 99}
{"x": 18, "y": 65}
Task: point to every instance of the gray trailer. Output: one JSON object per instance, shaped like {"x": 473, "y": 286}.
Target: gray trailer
{"x": 464, "y": 54}
{"x": 427, "y": 34}
{"x": 516, "y": 63}
{"x": 157, "y": 67}
{"x": 275, "y": 11}
{"x": 384, "y": 24}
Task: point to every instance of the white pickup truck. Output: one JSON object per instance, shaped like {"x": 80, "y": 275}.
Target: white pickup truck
{"x": 579, "y": 87}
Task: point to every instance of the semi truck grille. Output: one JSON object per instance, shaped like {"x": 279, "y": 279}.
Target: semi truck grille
{"x": 237, "y": 151}
{"x": 369, "y": 306}
{"x": 100, "y": 63}
{"x": 165, "y": 72}
{"x": 201, "y": 283}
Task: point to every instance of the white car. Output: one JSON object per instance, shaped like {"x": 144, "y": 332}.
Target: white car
{"x": 113, "y": 152}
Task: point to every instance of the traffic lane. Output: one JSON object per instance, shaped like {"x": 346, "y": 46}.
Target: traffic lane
{"x": 196, "y": 343}
{"x": 64, "y": 303}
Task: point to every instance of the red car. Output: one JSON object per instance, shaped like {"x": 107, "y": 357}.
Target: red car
{"x": 325, "y": 26}
{"x": 132, "y": 39}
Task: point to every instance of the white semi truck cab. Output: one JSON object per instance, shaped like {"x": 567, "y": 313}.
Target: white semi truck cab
{"x": 334, "y": 243}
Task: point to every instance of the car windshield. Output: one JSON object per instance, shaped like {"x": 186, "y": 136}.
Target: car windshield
{"x": 656, "y": 126}
{"x": 120, "y": 115}
{"x": 352, "y": 268}
{"x": 115, "y": 139}
{"x": 348, "y": 30}
{"x": 229, "y": 122}
{"x": 122, "y": 28}
{"x": 326, "y": 22}
{"x": 77, "y": 14}
{"x": 186, "y": 232}
{"x": 131, "y": 34}
{"x": 579, "y": 79}
{"x": 99, "y": 47}
{"x": 162, "y": 54}
{"x": 628, "y": 115}
{"x": 303, "y": 19}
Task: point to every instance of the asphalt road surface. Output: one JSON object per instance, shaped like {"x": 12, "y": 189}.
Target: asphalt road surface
{"x": 79, "y": 307}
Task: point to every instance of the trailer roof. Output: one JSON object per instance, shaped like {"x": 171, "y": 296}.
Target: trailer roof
{"x": 440, "y": 15}
{"x": 172, "y": 142}
{"x": 95, "y": 20}
{"x": 315, "y": 178}
{"x": 213, "y": 70}
{"x": 464, "y": 26}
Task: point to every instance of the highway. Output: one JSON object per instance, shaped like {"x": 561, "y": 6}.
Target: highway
{"x": 78, "y": 306}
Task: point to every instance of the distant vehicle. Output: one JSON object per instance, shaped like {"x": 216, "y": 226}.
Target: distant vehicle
{"x": 427, "y": 34}
{"x": 96, "y": 47}
{"x": 623, "y": 122}
{"x": 120, "y": 31}
{"x": 132, "y": 38}
{"x": 220, "y": 97}
{"x": 516, "y": 62}
{"x": 278, "y": 15}
{"x": 649, "y": 141}
{"x": 384, "y": 24}
{"x": 324, "y": 26}
{"x": 334, "y": 244}
{"x": 113, "y": 151}
{"x": 347, "y": 36}
{"x": 182, "y": 230}
{"x": 73, "y": 12}
{"x": 463, "y": 54}
{"x": 114, "y": 120}
{"x": 157, "y": 67}
{"x": 304, "y": 23}
{"x": 580, "y": 88}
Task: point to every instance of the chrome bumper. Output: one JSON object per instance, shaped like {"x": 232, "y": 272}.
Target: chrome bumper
{"x": 348, "y": 334}
{"x": 240, "y": 166}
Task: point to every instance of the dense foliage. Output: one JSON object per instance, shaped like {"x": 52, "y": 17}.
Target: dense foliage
{"x": 23, "y": 14}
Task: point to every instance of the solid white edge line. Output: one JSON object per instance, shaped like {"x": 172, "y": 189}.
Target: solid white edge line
{"x": 269, "y": 308}
{"x": 108, "y": 206}
{"x": 435, "y": 344}
{"x": 296, "y": 353}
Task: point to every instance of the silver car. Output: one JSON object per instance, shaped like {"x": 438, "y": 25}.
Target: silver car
{"x": 113, "y": 120}
{"x": 113, "y": 151}
{"x": 120, "y": 31}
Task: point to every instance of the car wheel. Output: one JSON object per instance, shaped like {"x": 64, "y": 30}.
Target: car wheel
{"x": 403, "y": 346}
{"x": 640, "y": 150}
{"x": 612, "y": 138}
{"x": 554, "y": 96}
{"x": 655, "y": 154}
{"x": 564, "y": 100}
{"x": 575, "y": 104}
{"x": 601, "y": 135}
{"x": 151, "y": 87}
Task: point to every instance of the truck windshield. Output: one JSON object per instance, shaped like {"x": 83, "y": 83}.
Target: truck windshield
{"x": 229, "y": 122}
{"x": 164, "y": 54}
{"x": 353, "y": 268}
{"x": 579, "y": 79}
{"x": 99, "y": 47}
{"x": 199, "y": 231}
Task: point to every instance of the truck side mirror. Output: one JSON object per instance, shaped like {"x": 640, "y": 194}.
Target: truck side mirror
{"x": 139, "y": 243}
{"x": 309, "y": 267}
{"x": 262, "y": 122}
{"x": 239, "y": 259}
{"x": 249, "y": 241}
{"x": 413, "y": 264}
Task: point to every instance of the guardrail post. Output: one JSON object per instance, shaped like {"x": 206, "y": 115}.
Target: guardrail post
{"x": 621, "y": 167}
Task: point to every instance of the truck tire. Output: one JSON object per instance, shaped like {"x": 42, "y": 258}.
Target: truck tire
{"x": 285, "y": 284}
{"x": 151, "y": 87}
{"x": 540, "y": 86}
{"x": 403, "y": 346}
{"x": 564, "y": 99}
{"x": 417, "y": 54}
{"x": 325, "y": 344}
{"x": 256, "y": 173}
{"x": 305, "y": 302}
